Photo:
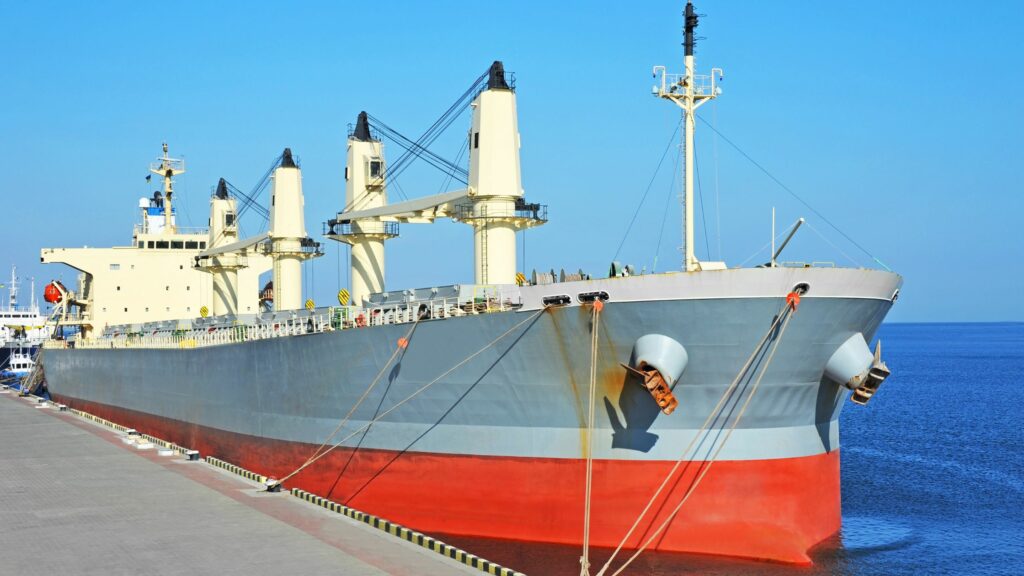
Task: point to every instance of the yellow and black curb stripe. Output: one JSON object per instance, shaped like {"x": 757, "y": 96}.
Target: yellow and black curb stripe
{"x": 236, "y": 470}
{"x": 99, "y": 420}
{"x": 420, "y": 539}
{"x": 120, "y": 428}
{"x": 165, "y": 444}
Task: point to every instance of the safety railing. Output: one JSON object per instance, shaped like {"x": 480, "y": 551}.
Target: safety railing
{"x": 484, "y": 300}
{"x": 361, "y": 228}
{"x": 205, "y": 336}
{"x": 816, "y": 264}
{"x": 142, "y": 229}
{"x": 518, "y": 211}
{"x": 703, "y": 84}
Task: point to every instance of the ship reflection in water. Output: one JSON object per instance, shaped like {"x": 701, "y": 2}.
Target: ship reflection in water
{"x": 933, "y": 491}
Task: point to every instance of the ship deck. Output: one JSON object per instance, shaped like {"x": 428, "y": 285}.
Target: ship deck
{"x": 75, "y": 499}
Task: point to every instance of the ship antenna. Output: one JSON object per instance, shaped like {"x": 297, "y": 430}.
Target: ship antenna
{"x": 689, "y": 24}
{"x": 167, "y": 168}
{"x": 12, "y": 290}
{"x": 688, "y": 91}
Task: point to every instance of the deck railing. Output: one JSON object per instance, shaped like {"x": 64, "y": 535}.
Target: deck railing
{"x": 486, "y": 300}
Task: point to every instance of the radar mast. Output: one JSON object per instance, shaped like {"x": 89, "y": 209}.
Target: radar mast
{"x": 689, "y": 91}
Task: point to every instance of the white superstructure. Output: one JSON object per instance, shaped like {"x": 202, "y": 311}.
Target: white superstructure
{"x": 153, "y": 278}
{"x": 21, "y": 322}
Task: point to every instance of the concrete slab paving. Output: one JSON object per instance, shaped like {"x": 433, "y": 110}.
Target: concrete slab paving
{"x": 74, "y": 499}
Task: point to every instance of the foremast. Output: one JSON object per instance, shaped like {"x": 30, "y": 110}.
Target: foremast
{"x": 689, "y": 91}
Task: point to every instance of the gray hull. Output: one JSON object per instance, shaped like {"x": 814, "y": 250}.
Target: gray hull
{"x": 519, "y": 407}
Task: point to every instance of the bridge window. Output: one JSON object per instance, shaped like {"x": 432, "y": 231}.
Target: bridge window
{"x": 162, "y": 244}
{"x": 149, "y": 244}
{"x": 191, "y": 245}
{"x": 177, "y": 244}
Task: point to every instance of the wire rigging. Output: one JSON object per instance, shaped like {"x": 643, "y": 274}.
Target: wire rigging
{"x": 644, "y": 197}
{"x": 416, "y": 150}
{"x": 248, "y": 201}
{"x": 700, "y": 198}
{"x": 435, "y": 129}
{"x": 251, "y": 200}
{"x": 718, "y": 205}
{"x": 665, "y": 211}
{"x": 792, "y": 193}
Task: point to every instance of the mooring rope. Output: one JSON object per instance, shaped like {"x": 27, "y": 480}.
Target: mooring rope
{"x": 414, "y": 394}
{"x": 712, "y": 415}
{"x": 402, "y": 344}
{"x": 790, "y": 308}
{"x": 595, "y": 322}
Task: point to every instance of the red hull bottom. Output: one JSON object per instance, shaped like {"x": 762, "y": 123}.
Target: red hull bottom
{"x": 764, "y": 509}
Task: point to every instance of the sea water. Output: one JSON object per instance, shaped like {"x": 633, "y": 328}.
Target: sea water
{"x": 932, "y": 468}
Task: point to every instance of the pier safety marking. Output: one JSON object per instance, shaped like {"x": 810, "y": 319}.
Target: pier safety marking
{"x": 237, "y": 470}
{"x": 418, "y": 538}
{"x": 120, "y": 428}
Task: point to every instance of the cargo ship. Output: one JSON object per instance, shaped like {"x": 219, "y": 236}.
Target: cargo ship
{"x": 689, "y": 411}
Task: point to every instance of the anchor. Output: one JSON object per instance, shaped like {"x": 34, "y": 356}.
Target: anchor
{"x": 875, "y": 376}
{"x": 657, "y": 386}
{"x": 853, "y": 366}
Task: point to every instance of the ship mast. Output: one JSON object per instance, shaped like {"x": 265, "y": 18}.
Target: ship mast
{"x": 13, "y": 289}
{"x": 689, "y": 91}
{"x": 168, "y": 168}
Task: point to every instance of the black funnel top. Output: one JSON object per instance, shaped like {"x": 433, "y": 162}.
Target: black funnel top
{"x": 496, "y": 77}
{"x": 286, "y": 159}
{"x": 222, "y": 189}
{"x": 362, "y": 131}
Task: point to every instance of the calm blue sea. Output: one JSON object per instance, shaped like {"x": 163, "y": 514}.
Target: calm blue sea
{"x": 933, "y": 469}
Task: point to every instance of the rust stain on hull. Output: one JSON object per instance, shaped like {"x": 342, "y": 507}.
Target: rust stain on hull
{"x": 564, "y": 353}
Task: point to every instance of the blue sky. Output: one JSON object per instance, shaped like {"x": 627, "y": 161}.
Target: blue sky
{"x": 898, "y": 121}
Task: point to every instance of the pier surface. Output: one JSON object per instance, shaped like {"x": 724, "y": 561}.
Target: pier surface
{"x": 75, "y": 499}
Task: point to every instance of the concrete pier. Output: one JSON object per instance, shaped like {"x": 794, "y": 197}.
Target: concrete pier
{"x": 76, "y": 499}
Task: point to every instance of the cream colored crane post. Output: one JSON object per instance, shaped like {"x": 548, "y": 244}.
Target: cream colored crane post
{"x": 224, "y": 267}
{"x": 492, "y": 202}
{"x": 365, "y": 188}
{"x": 288, "y": 244}
{"x": 494, "y": 180}
{"x": 689, "y": 91}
